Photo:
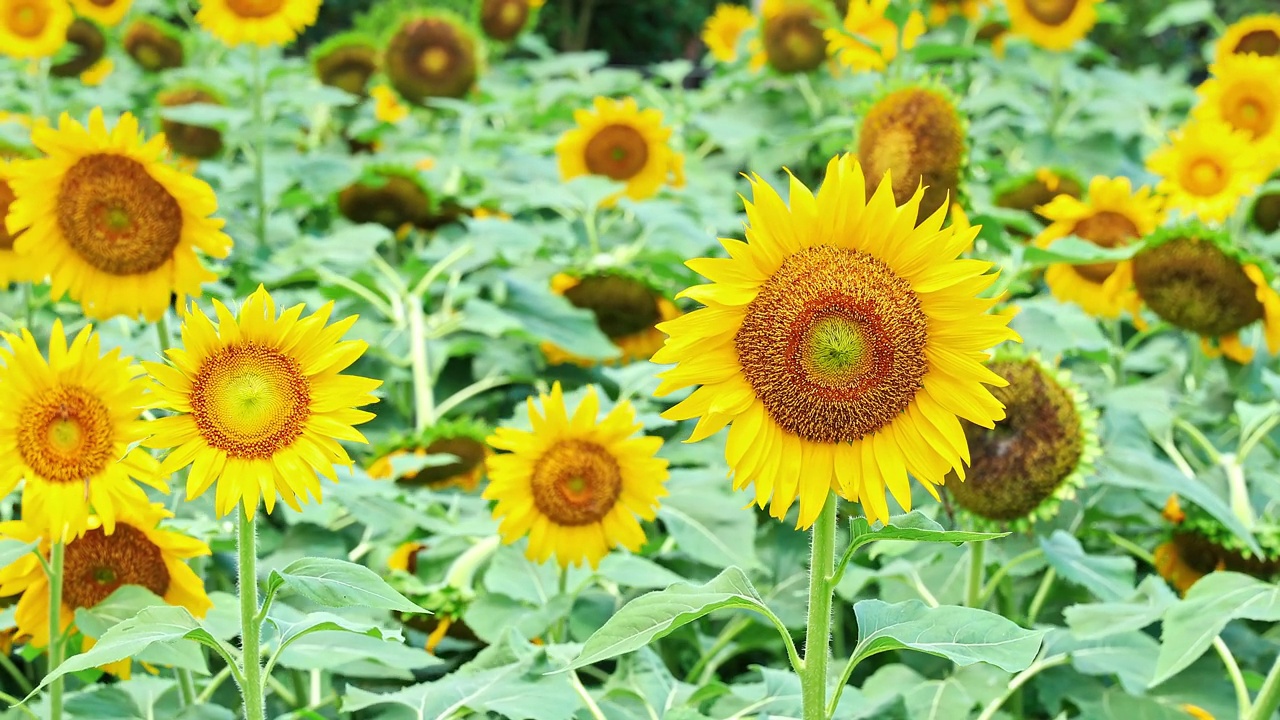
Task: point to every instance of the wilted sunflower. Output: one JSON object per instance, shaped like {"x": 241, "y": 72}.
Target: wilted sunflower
{"x": 724, "y": 30}
{"x": 390, "y": 197}
{"x": 67, "y": 428}
{"x": 105, "y": 12}
{"x": 791, "y": 38}
{"x": 1194, "y": 278}
{"x": 917, "y": 133}
{"x": 1253, "y": 35}
{"x": 1038, "y": 455}
{"x": 1031, "y": 190}
{"x": 387, "y": 107}
{"x": 502, "y": 20}
{"x": 1198, "y": 545}
{"x": 618, "y": 140}
{"x": 346, "y": 61}
{"x": 190, "y": 140}
{"x": 843, "y": 342}
{"x": 1266, "y": 212}
{"x": 33, "y": 28}
{"x": 575, "y": 485}
{"x": 90, "y": 45}
{"x": 1112, "y": 216}
{"x": 463, "y": 439}
{"x": 627, "y": 311}
{"x": 96, "y": 564}
{"x": 13, "y": 268}
{"x": 867, "y": 40}
{"x": 942, "y": 10}
{"x": 1244, "y": 92}
{"x": 432, "y": 55}
{"x": 260, "y": 22}
{"x": 111, "y": 224}
{"x": 1207, "y": 168}
{"x": 1052, "y": 24}
{"x": 154, "y": 45}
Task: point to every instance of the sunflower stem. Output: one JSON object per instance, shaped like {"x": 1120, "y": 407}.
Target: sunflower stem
{"x": 419, "y": 355}
{"x": 560, "y": 630}
{"x": 55, "y": 628}
{"x": 162, "y": 333}
{"x": 973, "y": 591}
{"x": 186, "y": 687}
{"x": 817, "y": 639}
{"x": 1042, "y": 594}
{"x": 592, "y": 229}
{"x": 29, "y": 301}
{"x": 16, "y": 674}
{"x": 1264, "y": 706}
{"x": 259, "y": 146}
{"x": 250, "y": 643}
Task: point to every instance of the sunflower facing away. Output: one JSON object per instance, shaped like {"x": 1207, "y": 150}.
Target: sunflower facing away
{"x": 138, "y": 552}
{"x": 66, "y": 428}
{"x": 843, "y": 342}
{"x": 193, "y": 141}
{"x": 111, "y": 224}
{"x": 90, "y": 45}
{"x": 465, "y": 440}
{"x": 724, "y": 29}
{"x": 575, "y": 485}
{"x": 627, "y": 311}
{"x": 1244, "y": 92}
{"x": 1031, "y": 190}
{"x": 1207, "y": 168}
{"x": 864, "y": 23}
{"x": 432, "y": 55}
{"x": 1052, "y": 24}
{"x": 617, "y": 140}
{"x": 154, "y": 45}
{"x": 1198, "y": 545}
{"x": 1253, "y": 35}
{"x": 346, "y": 61}
{"x": 104, "y": 12}
{"x": 1113, "y": 216}
{"x": 391, "y": 197}
{"x": 33, "y": 28}
{"x": 791, "y": 36}
{"x": 12, "y": 267}
{"x": 261, "y": 22}
{"x": 260, "y": 402}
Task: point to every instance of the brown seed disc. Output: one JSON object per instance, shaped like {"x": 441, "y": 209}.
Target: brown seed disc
{"x": 622, "y": 306}
{"x": 1259, "y": 42}
{"x": 470, "y": 454}
{"x": 348, "y": 67}
{"x": 916, "y": 134}
{"x": 254, "y": 9}
{"x": 151, "y": 48}
{"x": 90, "y": 46}
{"x": 66, "y": 435}
{"x": 1195, "y": 285}
{"x": 576, "y": 483}
{"x": 793, "y": 41}
{"x": 1106, "y": 229}
{"x": 431, "y": 57}
{"x": 503, "y": 20}
{"x": 190, "y": 140}
{"x": 250, "y": 400}
{"x": 617, "y": 151}
{"x": 97, "y": 564}
{"x": 1051, "y": 12}
{"x": 395, "y": 202}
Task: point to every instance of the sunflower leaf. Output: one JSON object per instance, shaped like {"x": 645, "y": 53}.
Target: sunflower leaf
{"x": 962, "y": 635}
{"x": 1215, "y": 600}
{"x": 13, "y": 550}
{"x": 912, "y": 527}
{"x": 338, "y": 583}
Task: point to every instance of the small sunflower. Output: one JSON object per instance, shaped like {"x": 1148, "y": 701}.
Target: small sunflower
{"x": 13, "y": 268}
{"x": 33, "y": 28}
{"x": 390, "y": 197}
{"x": 66, "y": 429}
{"x": 432, "y": 55}
{"x": 502, "y": 20}
{"x": 405, "y": 557}
{"x": 575, "y": 485}
{"x": 724, "y": 30}
{"x": 465, "y": 440}
{"x": 154, "y": 45}
{"x": 996, "y": 33}
{"x": 617, "y": 140}
{"x": 90, "y": 45}
{"x": 260, "y": 22}
{"x": 1198, "y": 545}
{"x": 192, "y": 141}
{"x": 942, "y": 10}
{"x": 1244, "y": 92}
{"x": 627, "y": 311}
{"x": 1052, "y": 24}
{"x": 387, "y": 107}
{"x": 1113, "y": 216}
{"x": 1031, "y": 190}
{"x": 1266, "y": 212}
{"x": 346, "y": 61}
{"x": 791, "y": 36}
{"x": 98, "y": 73}
{"x": 844, "y": 343}
{"x": 138, "y": 552}
{"x": 113, "y": 225}
{"x": 1207, "y": 168}
{"x": 1253, "y": 35}
{"x": 103, "y": 12}
{"x": 867, "y": 40}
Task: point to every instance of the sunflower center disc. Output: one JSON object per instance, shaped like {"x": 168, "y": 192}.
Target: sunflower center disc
{"x": 1252, "y": 114}
{"x": 1051, "y": 12}
{"x": 434, "y": 61}
{"x": 6, "y": 199}
{"x": 622, "y": 306}
{"x": 103, "y": 3}
{"x": 1204, "y": 177}
{"x": 618, "y": 152}
{"x": 255, "y": 8}
{"x": 1196, "y": 286}
{"x": 1260, "y": 42}
{"x": 1105, "y": 229}
{"x": 65, "y": 435}
{"x": 576, "y": 482}
{"x": 793, "y": 41}
{"x": 97, "y": 564}
{"x": 250, "y": 400}
{"x": 28, "y": 19}
{"x": 833, "y": 344}
{"x": 149, "y": 56}
{"x": 470, "y": 454}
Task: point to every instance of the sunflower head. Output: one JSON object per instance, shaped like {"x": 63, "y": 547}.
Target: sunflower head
{"x": 190, "y": 140}
{"x": 916, "y": 133}
{"x": 618, "y": 140}
{"x": 90, "y": 45}
{"x": 154, "y": 45}
{"x": 1207, "y": 168}
{"x": 464, "y": 439}
{"x": 1244, "y": 92}
{"x": 502, "y": 20}
{"x": 868, "y": 39}
{"x": 791, "y": 36}
{"x": 1052, "y": 24}
{"x": 942, "y": 10}
{"x": 12, "y": 267}
{"x": 391, "y": 197}
{"x": 432, "y": 55}
{"x": 33, "y": 28}
{"x": 627, "y": 310}
{"x": 1266, "y": 212}
{"x": 260, "y": 22}
{"x": 103, "y": 12}
{"x": 1199, "y": 544}
{"x": 996, "y": 33}
{"x": 346, "y": 61}
{"x": 1253, "y": 35}
{"x": 724, "y": 30}
{"x": 1031, "y": 190}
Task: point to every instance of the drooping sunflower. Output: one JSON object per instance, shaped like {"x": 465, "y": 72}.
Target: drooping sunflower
{"x": 575, "y": 485}
{"x": 1052, "y": 24}
{"x": 1206, "y": 169}
{"x": 193, "y": 141}
{"x": 627, "y": 311}
{"x": 261, "y": 402}
{"x": 1253, "y": 35}
{"x": 1113, "y": 215}
{"x": 791, "y": 36}
{"x": 844, "y": 343}
{"x": 917, "y": 133}
{"x": 1031, "y": 190}
{"x": 432, "y": 55}
{"x": 13, "y": 268}
{"x": 387, "y": 107}
{"x": 260, "y": 22}
{"x": 867, "y": 40}
{"x": 1244, "y": 92}
{"x": 104, "y": 12}
{"x": 154, "y": 45}
{"x": 391, "y": 197}
{"x": 1038, "y": 455}
{"x": 96, "y": 564}
{"x": 33, "y": 28}
{"x": 66, "y": 429}
{"x": 113, "y": 225}
{"x": 724, "y": 30}
{"x": 942, "y": 10}
{"x": 502, "y": 20}
{"x": 346, "y": 61}
{"x": 464, "y": 439}
{"x": 1266, "y": 212}
{"x": 1198, "y": 544}
{"x": 90, "y": 45}
{"x": 617, "y": 140}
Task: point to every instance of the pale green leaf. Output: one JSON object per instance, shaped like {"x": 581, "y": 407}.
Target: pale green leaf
{"x": 338, "y": 583}
{"x": 962, "y": 635}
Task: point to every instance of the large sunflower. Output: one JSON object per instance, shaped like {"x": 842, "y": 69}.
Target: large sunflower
{"x": 111, "y": 223}
{"x": 1253, "y": 35}
{"x": 791, "y": 36}
{"x": 575, "y": 485}
{"x": 261, "y": 402}
{"x": 627, "y": 311}
{"x": 867, "y": 40}
{"x": 138, "y": 552}
{"x": 33, "y": 28}
{"x": 105, "y": 12}
{"x": 1207, "y": 168}
{"x": 1112, "y": 216}
{"x": 843, "y": 342}
{"x": 1244, "y": 92}
{"x": 261, "y": 22}
{"x": 13, "y": 268}
{"x": 1052, "y": 24}
{"x": 432, "y": 55}
{"x": 724, "y": 29}
{"x": 68, "y": 427}
{"x": 617, "y": 140}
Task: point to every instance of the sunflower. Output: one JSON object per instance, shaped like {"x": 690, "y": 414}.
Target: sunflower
{"x": 1253, "y": 35}
{"x": 627, "y": 311}
{"x": 387, "y": 107}
{"x": 138, "y": 552}
{"x": 942, "y": 10}
{"x": 724, "y": 29}
{"x": 99, "y": 72}
{"x": 113, "y": 226}
{"x": 67, "y": 427}
{"x": 104, "y": 12}
{"x": 154, "y": 45}
{"x": 1244, "y": 92}
{"x": 1266, "y": 212}
{"x": 843, "y": 342}
{"x": 791, "y": 37}
{"x": 575, "y": 485}
{"x": 1113, "y": 216}
{"x": 33, "y": 28}
{"x": 1052, "y": 24}
{"x": 1038, "y": 455}
{"x": 868, "y": 40}
{"x": 460, "y": 438}
{"x": 261, "y": 402}
{"x": 617, "y": 140}
{"x": 502, "y": 20}
{"x": 261, "y": 22}
{"x": 193, "y": 141}
{"x": 996, "y": 33}
{"x": 13, "y": 268}
{"x": 390, "y": 197}
{"x": 346, "y": 61}
{"x": 405, "y": 557}
{"x": 916, "y": 132}
{"x": 1207, "y": 168}
{"x": 432, "y": 55}
{"x": 1198, "y": 544}
{"x": 1031, "y": 190}
{"x": 90, "y": 45}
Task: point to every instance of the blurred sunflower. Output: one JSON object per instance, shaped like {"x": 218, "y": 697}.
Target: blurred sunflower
{"x": 387, "y": 107}
{"x": 1253, "y": 35}
{"x": 346, "y": 61}
{"x": 1206, "y": 169}
{"x": 997, "y": 34}
{"x": 261, "y": 402}
{"x": 617, "y": 140}
{"x": 1266, "y": 212}
{"x": 1244, "y": 92}
{"x": 104, "y": 12}
{"x": 867, "y": 40}
{"x": 575, "y": 485}
{"x": 432, "y": 55}
{"x": 502, "y": 20}
{"x": 1198, "y": 545}
{"x": 260, "y": 22}
{"x": 391, "y": 197}
{"x": 464, "y": 439}
{"x": 1112, "y": 216}
{"x": 627, "y": 311}
{"x": 89, "y": 46}
{"x": 843, "y": 342}
{"x": 193, "y": 141}
{"x": 791, "y": 38}
{"x": 111, "y": 224}
{"x": 99, "y": 72}
{"x": 1031, "y": 190}
{"x": 33, "y": 28}
{"x": 12, "y": 267}
{"x": 68, "y": 428}
{"x": 405, "y": 557}
{"x": 154, "y": 45}
{"x": 942, "y": 10}
{"x": 1052, "y": 24}
{"x": 724, "y": 30}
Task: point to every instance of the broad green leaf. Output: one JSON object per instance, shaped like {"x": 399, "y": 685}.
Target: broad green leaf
{"x": 550, "y": 317}
{"x": 338, "y": 650}
{"x": 1179, "y": 14}
{"x": 293, "y": 629}
{"x": 338, "y": 583}
{"x": 1076, "y": 251}
{"x": 962, "y": 635}
{"x": 938, "y": 700}
{"x": 633, "y": 571}
{"x": 103, "y": 703}
{"x": 707, "y": 521}
{"x": 1129, "y": 656}
{"x": 1110, "y": 578}
{"x": 1217, "y": 599}
{"x": 1146, "y": 606}
{"x": 126, "y": 602}
{"x": 13, "y": 550}
{"x": 912, "y": 527}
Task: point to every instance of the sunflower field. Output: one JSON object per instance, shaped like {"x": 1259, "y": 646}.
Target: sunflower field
{"x": 639, "y": 359}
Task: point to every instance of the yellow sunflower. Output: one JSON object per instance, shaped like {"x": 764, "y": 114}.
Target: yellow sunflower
{"x": 98, "y": 73}
{"x": 405, "y": 557}
{"x": 1207, "y": 168}
{"x": 138, "y": 552}
{"x": 617, "y": 140}
{"x": 791, "y": 38}
{"x": 1253, "y": 35}
{"x": 843, "y": 342}
{"x": 67, "y": 427}
{"x": 1112, "y": 216}
{"x": 627, "y": 311}
{"x": 103, "y": 12}
{"x": 111, "y": 224}
{"x": 575, "y": 485}
{"x": 33, "y": 28}
{"x": 868, "y": 40}
{"x": 261, "y": 22}
{"x": 1244, "y": 92}
{"x": 261, "y": 402}
{"x": 942, "y": 10}
{"x": 724, "y": 29}
{"x": 387, "y": 107}
{"x": 1052, "y": 24}
{"x": 12, "y": 267}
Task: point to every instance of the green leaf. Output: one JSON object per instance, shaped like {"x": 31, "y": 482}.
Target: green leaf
{"x": 962, "y": 635}
{"x": 1217, "y": 599}
{"x": 550, "y": 317}
{"x": 944, "y": 52}
{"x": 1096, "y": 620}
{"x": 1179, "y": 14}
{"x": 1110, "y": 578}
{"x": 12, "y": 551}
{"x": 633, "y": 571}
{"x": 1075, "y": 251}
{"x": 912, "y": 527}
{"x": 707, "y": 521}
{"x": 126, "y": 602}
{"x": 291, "y": 630}
{"x": 338, "y": 583}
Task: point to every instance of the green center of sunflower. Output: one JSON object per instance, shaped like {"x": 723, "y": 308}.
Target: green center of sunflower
{"x": 27, "y": 19}
{"x": 97, "y": 564}
{"x": 793, "y": 40}
{"x": 1204, "y": 177}
{"x": 250, "y": 400}
{"x": 576, "y": 482}
{"x": 149, "y": 56}
{"x": 622, "y": 306}
{"x": 1196, "y": 286}
{"x": 836, "y": 351}
{"x": 1051, "y": 12}
{"x": 65, "y": 435}
{"x": 1107, "y": 229}
{"x": 618, "y": 152}
{"x": 1259, "y": 42}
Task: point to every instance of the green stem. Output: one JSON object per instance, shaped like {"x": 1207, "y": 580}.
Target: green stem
{"x": 250, "y": 643}
{"x": 1237, "y": 679}
{"x": 561, "y": 629}
{"x": 973, "y": 594}
{"x": 162, "y": 333}
{"x": 423, "y": 392}
{"x": 29, "y": 300}
{"x": 186, "y": 687}
{"x": 993, "y": 584}
{"x": 730, "y": 631}
{"x": 1238, "y": 490}
{"x": 1132, "y": 548}
{"x": 16, "y": 674}
{"x": 16, "y": 704}
{"x": 259, "y": 146}
{"x": 592, "y": 229}
{"x": 1264, "y": 706}
{"x": 1042, "y": 594}
{"x": 1019, "y": 680}
{"x": 55, "y": 628}
{"x": 817, "y": 639}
